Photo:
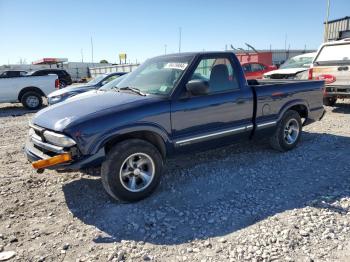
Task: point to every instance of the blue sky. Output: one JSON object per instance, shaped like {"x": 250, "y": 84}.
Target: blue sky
{"x": 35, "y": 29}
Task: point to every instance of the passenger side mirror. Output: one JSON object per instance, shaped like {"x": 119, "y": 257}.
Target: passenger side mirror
{"x": 198, "y": 87}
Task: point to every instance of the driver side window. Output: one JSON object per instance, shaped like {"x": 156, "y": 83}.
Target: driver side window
{"x": 219, "y": 74}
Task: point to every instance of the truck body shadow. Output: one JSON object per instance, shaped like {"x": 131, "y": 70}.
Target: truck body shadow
{"x": 13, "y": 110}
{"x": 218, "y": 192}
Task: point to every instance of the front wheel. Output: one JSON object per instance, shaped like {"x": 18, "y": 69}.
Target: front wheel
{"x": 132, "y": 170}
{"x": 329, "y": 101}
{"x": 288, "y": 132}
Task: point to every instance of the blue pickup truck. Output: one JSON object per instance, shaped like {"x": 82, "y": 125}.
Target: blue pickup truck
{"x": 169, "y": 105}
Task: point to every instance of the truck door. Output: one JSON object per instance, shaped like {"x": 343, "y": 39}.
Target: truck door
{"x": 225, "y": 111}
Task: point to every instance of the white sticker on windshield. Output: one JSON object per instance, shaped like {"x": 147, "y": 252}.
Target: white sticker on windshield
{"x": 163, "y": 88}
{"x": 181, "y": 66}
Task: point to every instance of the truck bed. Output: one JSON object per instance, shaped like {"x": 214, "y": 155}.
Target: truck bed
{"x": 270, "y": 97}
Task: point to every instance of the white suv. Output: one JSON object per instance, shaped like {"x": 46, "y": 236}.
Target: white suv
{"x": 332, "y": 64}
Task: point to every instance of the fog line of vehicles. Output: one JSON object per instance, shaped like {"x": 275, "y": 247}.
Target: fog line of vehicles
{"x": 169, "y": 105}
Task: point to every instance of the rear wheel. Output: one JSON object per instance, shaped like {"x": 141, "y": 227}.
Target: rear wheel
{"x": 32, "y": 100}
{"x": 329, "y": 101}
{"x": 288, "y": 132}
{"x": 132, "y": 170}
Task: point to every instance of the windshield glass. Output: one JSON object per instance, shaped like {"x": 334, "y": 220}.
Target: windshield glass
{"x": 334, "y": 53}
{"x": 157, "y": 75}
{"x": 113, "y": 84}
{"x": 96, "y": 80}
{"x": 298, "y": 62}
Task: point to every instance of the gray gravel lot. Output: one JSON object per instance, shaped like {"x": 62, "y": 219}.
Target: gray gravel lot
{"x": 244, "y": 202}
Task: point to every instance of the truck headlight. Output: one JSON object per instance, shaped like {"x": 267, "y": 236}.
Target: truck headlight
{"x": 59, "y": 139}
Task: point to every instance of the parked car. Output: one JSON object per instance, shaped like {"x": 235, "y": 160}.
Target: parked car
{"x": 170, "y": 104}
{"x": 62, "y": 94}
{"x": 332, "y": 64}
{"x": 27, "y": 90}
{"x": 256, "y": 70}
{"x": 13, "y": 73}
{"x": 292, "y": 68}
{"x": 63, "y": 75}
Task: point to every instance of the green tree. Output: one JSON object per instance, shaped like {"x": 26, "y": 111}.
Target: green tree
{"x": 104, "y": 61}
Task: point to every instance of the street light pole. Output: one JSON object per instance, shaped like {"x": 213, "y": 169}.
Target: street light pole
{"x": 180, "y": 39}
{"x": 327, "y": 18}
{"x": 92, "y": 51}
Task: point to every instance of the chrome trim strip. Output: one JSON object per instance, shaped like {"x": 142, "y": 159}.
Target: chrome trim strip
{"x": 40, "y": 129}
{"x": 36, "y": 137}
{"x": 235, "y": 130}
{"x": 47, "y": 146}
{"x": 267, "y": 124}
{"x": 212, "y": 134}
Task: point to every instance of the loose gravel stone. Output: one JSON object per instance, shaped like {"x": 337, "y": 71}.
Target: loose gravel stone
{"x": 244, "y": 202}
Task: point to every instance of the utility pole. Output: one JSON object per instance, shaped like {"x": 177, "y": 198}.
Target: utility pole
{"x": 82, "y": 55}
{"x": 165, "y": 46}
{"x": 180, "y": 29}
{"x": 92, "y": 51}
{"x": 285, "y": 42}
{"x": 327, "y": 18}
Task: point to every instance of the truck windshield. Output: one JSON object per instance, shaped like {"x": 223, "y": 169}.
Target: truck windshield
{"x": 333, "y": 53}
{"x": 158, "y": 75}
{"x": 298, "y": 62}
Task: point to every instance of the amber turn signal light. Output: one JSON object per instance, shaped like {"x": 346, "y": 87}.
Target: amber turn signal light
{"x": 52, "y": 161}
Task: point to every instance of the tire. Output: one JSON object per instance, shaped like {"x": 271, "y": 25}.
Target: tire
{"x": 32, "y": 100}
{"x": 288, "y": 132}
{"x": 131, "y": 180}
{"x": 329, "y": 101}
{"x": 63, "y": 84}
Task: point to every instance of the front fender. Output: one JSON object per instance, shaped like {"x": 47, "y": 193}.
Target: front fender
{"x": 145, "y": 127}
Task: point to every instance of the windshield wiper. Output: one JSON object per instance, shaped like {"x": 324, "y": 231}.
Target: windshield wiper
{"x": 133, "y": 89}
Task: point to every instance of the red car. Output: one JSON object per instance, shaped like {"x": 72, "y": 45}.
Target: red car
{"x": 256, "y": 70}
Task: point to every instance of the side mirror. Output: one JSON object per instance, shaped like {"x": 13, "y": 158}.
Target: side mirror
{"x": 198, "y": 87}
{"x": 104, "y": 82}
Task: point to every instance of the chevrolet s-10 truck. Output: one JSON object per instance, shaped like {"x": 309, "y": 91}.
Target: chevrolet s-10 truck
{"x": 169, "y": 105}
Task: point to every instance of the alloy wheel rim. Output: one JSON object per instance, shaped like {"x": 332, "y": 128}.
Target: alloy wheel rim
{"x": 291, "y": 131}
{"x": 137, "y": 172}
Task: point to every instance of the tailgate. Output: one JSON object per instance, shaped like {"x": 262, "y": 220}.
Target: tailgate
{"x": 339, "y": 73}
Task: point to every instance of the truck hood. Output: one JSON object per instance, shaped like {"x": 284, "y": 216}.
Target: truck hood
{"x": 286, "y": 71}
{"x": 70, "y": 89}
{"x": 87, "y": 105}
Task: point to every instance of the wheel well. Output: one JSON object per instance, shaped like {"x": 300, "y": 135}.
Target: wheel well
{"x": 301, "y": 109}
{"x": 29, "y": 89}
{"x": 148, "y": 136}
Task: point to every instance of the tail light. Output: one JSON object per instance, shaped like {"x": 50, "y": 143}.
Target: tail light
{"x": 327, "y": 78}
{"x": 57, "y": 84}
{"x": 310, "y": 76}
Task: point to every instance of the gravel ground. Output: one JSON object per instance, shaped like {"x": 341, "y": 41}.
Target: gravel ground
{"x": 245, "y": 202}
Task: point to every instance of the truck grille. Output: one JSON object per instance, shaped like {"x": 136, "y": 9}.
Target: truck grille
{"x": 37, "y": 139}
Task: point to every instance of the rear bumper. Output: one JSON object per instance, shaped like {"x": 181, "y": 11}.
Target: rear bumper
{"x": 34, "y": 154}
{"x": 337, "y": 91}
